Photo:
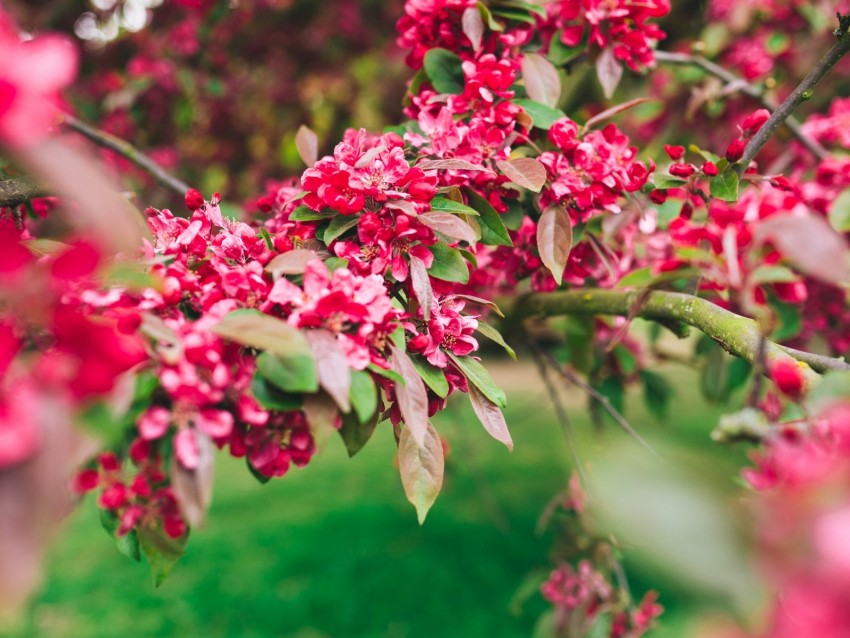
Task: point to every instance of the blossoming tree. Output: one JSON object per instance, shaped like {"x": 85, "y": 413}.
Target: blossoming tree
{"x": 355, "y": 296}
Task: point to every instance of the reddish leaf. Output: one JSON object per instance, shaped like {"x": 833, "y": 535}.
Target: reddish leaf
{"x": 473, "y": 26}
{"x": 421, "y": 283}
{"x": 609, "y": 70}
{"x": 450, "y": 226}
{"x": 403, "y": 205}
{"x": 412, "y": 398}
{"x": 450, "y": 164}
{"x": 193, "y": 488}
{"x": 332, "y": 366}
{"x": 554, "y": 240}
{"x": 307, "y": 143}
{"x": 421, "y": 466}
{"x": 491, "y": 416}
{"x": 482, "y": 302}
{"x": 542, "y": 82}
{"x": 290, "y": 263}
{"x": 809, "y": 243}
{"x": 524, "y": 171}
{"x": 322, "y": 416}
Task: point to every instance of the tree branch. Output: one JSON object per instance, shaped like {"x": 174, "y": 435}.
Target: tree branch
{"x": 738, "y": 335}
{"x": 802, "y": 93}
{"x": 127, "y": 150}
{"x": 15, "y": 191}
{"x": 747, "y": 88}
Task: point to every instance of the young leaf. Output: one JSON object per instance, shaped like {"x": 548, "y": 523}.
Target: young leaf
{"x": 446, "y": 205}
{"x": 393, "y": 376}
{"x": 491, "y": 417}
{"x": 364, "y": 395}
{"x": 614, "y": 110}
{"x": 421, "y": 284}
{"x": 421, "y": 466}
{"x": 307, "y": 214}
{"x": 127, "y": 544}
{"x": 477, "y": 375}
{"x": 193, "y": 488}
{"x": 524, "y": 171}
{"x": 449, "y": 225}
{"x": 433, "y": 377}
{"x": 261, "y": 331}
{"x": 332, "y": 366}
{"x": 448, "y": 265}
{"x": 542, "y": 82}
{"x": 494, "y": 335}
{"x": 292, "y": 262}
{"x": 445, "y": 71}
{"x": 451, "y": 165}
{"x": 412, "y": 397}
{"x": 493, "y": 231}
{"x": 339, "y": 225}
{"x": 481, "y": 302}
{"x": 290, "y": 374}
{"x": 321, "y": 413}
{"x": 307, "y": 143}
{"x": 554, "y": 240}
{"x": 542, "y": 116}
{"x": 725, "y": 186}
{"x": 473, "y": 26}
{"x": 609, "y": 70}
{"x": 809, "y": 243}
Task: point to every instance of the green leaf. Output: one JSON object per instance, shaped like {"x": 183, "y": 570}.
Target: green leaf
{"x": 306, "y": 214}
{"x": 332, "y": 263}
{"x": 271, "y": 398}
{"x": 664, "y": 182}
{"x": 541, "y": 115}
{"x": 161, "y": 551}
{"x": 494, "y": 335}
{"x": 637, "y": 279}
{"x": 364, "y": 395}
{"x": 493, "y": 231}
{"x": 290, "y": 374}
{"x": 488, "y": 18}
{"x": 725, "y": 186}
{"x": 523, "y": 6}
{"x": 714, "y": 380}
{"x": 355, "y": 435}
{"x": 517, "y": 15}
{"x": 445, "y": 71}
{"x": 561, "y": 54}
{"x": 478, "y": 376}
{"x": 772, "y": 275}
{"x": 433, "y": 377}
{"x": 339, "y": 225}
{"x": 127, "y": 544}
{"x": 657, "y": 392}
{"x": 392, "y": 375}
{"x": 449, "y": 264}
{"x": 839, "y": 212}
{"x": 446, "y": 205}
{"x": 790, "y": 320}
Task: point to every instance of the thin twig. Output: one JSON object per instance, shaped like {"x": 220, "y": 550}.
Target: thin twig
{"x": 799, "y": 95}
{"x": 747, "y": 88}
{"x": 130, "y": 152}
{"x": 593, "y": 393}
{"x": 560, "y": 411}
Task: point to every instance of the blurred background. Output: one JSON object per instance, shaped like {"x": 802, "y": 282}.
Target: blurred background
{"x": 335, "y": 549}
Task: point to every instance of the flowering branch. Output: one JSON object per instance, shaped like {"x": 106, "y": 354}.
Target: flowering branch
{"x": 800, "y": 94}
{"x": 127, "y": 150}
{"x": 17, "y": 190}
{"x": 738, "y": 335}
{"x": 747, "y": 88}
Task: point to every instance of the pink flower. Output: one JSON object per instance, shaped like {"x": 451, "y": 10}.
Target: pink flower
{"x": 31, "y": 76}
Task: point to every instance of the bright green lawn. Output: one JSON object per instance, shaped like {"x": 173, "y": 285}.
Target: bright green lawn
{"x": 335, "y": 550}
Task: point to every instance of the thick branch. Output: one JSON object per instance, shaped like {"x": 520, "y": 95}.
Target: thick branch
{"x": 125, "y": 149}
{"x": 747, "y": 88}
{"x": 802, "y": 93}
{"x": 738, "y": 335}
{"x": 18, "y": 190}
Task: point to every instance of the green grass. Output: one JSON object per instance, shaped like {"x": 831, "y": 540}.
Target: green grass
{"x": 335, "y": 550}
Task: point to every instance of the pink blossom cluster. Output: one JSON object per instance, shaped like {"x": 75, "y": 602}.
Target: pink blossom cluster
{"x": 624, "y": 26}
{"x": 586, "y": 593}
